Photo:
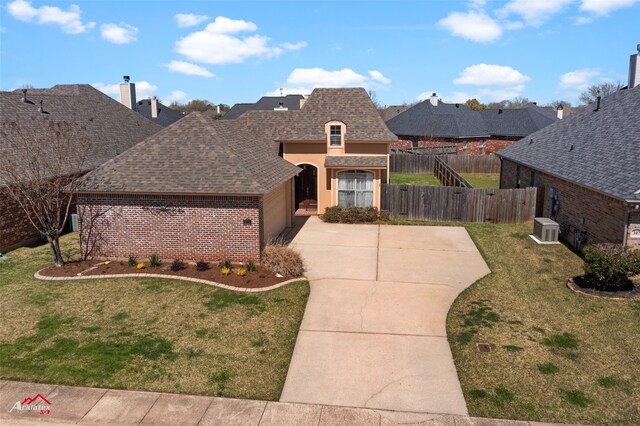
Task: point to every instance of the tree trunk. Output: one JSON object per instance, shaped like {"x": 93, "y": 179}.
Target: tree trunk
{"x": 54, "y": 243}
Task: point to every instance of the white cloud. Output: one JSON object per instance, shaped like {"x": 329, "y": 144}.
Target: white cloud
{"x": 534, "y": 12}
{"x": 579, "y": 79}
{"x": 188, "y": 68}
{"x": 304, "y": 80}
{"x": 176, "y": 96}
{"x": 604, "y": 7}
{"x": 122, "y": 33}
{"x": 473, "y": 25}
{"x": 499, "y": 94}
{"x": 144, "y": 89}
{"x": 69, "y": 21}
{"x": 189, "y": 19}
{"x": 217, "y": 43}
{"x": 490, "y": 75}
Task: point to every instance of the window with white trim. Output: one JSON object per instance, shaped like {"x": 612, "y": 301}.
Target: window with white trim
{"x": 335, "y": 135}
{"x": 355, "y": 189}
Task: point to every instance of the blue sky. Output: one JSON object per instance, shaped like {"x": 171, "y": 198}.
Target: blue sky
{"x": 236, "y": 51}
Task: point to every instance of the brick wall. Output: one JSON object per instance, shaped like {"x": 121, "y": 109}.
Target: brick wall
{"x": 491, "y": 146}
{"x": 585, "y": 216}
{"x": 15, "y": 228}
{"x": 173, "y": 227}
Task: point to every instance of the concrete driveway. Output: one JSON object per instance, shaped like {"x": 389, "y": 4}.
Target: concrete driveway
{"x": 374, "y": 330}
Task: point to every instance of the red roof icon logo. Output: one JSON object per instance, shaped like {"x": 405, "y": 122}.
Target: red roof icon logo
{"x": 29, "y": 401}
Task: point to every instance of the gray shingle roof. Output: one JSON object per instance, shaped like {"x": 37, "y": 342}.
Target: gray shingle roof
{"x": 356, "y": 161}
{"x": 266, "y": 103}
{"x": 456, "y": 121}
{"x": 195, "y": 155}
{"x": 107, "y": 126}
{"x": 166, "y": 115}
{"x": 596, "y": 149}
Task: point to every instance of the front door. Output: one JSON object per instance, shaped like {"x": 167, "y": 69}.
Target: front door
{"x": 307, "y": 187}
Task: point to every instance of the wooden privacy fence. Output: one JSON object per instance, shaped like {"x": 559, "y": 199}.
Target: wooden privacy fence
{"x": 428, "y": 150}
{"x": 425, "y": 164}
{"x": 435, "y": 203}
{"x": 447, "y": 176}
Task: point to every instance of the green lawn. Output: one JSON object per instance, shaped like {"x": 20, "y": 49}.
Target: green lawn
{"x": 556, "y": 356}
{"x": 144, "y": 333}
{"x": 413, "y": 179}
{"x": 483, "y": 180}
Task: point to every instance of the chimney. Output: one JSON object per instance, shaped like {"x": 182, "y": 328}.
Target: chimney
{"x": 154, "y": 106}
{"x": 128, "y": 94}
{"x": 560, "y": 111}
{"x": 634, "y": 69}
{"x": 433, "y": 99}
{"x": 218, "y": 109}
{"x": 302, "y": 101}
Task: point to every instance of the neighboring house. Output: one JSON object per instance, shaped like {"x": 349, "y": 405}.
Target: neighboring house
{"x": 433, "y": 123}
{"x": 206, "y": 189}
{"x": 108, "y": 127}
{"x": 587, "y": 168}
{"x": 389, "y": 112}
{"x": 266, "y": 103}
{"x": 152, "y": 109}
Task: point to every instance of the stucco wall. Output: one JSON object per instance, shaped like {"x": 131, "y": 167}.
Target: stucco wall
{"x": 276, "y": 211}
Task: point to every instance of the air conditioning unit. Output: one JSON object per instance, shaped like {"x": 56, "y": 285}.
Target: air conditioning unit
{"x": 545, "y": 231}
{"x": 74, "y": 222}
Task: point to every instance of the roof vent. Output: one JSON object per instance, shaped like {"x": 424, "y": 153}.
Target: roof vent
{"x": 24, "y": 97}
{"x": 126, "y": 78}
{"x": 531, "y": 141}
{"x": 571, "y": 148}
{"x": 41, "y": 108}
{"x": 281, "y": 107}
{"x": 499, "y": 110}
{"x": 597, "y": 103}
{"x": 457, "y": 105}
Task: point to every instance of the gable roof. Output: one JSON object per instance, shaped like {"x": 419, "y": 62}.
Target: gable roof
{"x": 265, "y": 103}
{"x": 108, "y": 127}
{"x": 195, "y": 155}
{"x": 595, "y": 149}
{"x": 391, "y": 111}
{"x": 457, "y": 121}
{"x": 443, "y": 121}
{"x": 166, "y": 115}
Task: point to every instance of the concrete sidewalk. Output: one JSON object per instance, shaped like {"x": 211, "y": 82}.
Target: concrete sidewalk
{"x": 373, "y": 333}
{"x": 75, "y": 405}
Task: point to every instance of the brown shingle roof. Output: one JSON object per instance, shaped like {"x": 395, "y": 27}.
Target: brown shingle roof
{"x": 196, "y": 155}
{"x": 376, "y": 161}
{"x": 106, "y": 126}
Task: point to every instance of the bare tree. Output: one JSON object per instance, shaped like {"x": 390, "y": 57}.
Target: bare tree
{"x": 603, "y": 89}
{"x": 40, "y": 166}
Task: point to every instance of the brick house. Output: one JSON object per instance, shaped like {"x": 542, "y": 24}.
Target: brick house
{"x": 587, "y": 170}
{"x": 433, "y": 123}
{"x": 207, "y": 189}
{"x": 109, "y": 128}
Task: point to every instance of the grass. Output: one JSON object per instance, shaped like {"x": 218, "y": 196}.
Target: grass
{"x": 144, "y": 333}
{"x": 483, "y": 180}
{"x": 576, "y": 358}
{"x": 413, "y": 179}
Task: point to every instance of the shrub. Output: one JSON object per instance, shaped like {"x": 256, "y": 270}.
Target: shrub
{"x": 201, "y": 265}
{"x": 225, "y": 271}
{"x": 338, "y": 214}
{"x": 226, "y": 263}
{"x": 177, "y": 265}
{"x": 241, "y": 272}
{"x": 133, "y": 261}
{"x": 251, "y": 266}
{"x": 154, "y": 261}
{"x": 282, "y": 260}
{"x": 607, "y": 267}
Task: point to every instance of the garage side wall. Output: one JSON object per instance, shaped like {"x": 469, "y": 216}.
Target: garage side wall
{"x": 276, "y": 210}
{"x": 172, "y": 227}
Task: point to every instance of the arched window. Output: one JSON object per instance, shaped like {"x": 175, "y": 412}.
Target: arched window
{"x": 355, "y": 188}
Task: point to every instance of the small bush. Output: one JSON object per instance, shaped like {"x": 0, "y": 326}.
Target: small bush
{"x": 225, "y": 271}
{"x": 337, "y": 214}
{"x": 140, "y": 265}
{"x": 226, "y": 263}
{"x": 251, "y": 266}
{"x": 154, "y": 261}
{"x": 201, "y": 265}
{"x": 282, "y": 260}
{"x": 607, "y": 267}
{"x": 133, "y": 261}
{"x": 177, "y": 265}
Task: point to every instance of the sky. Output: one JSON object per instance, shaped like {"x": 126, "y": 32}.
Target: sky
{"x": 237, "y": 51}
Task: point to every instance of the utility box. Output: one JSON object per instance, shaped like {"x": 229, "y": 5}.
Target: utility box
{"x": 74, "y": 222}
{"x": 545, "y": 231}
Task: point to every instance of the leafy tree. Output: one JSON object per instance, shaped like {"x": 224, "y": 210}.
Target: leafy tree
{"x": 603, "y": 89}
{"x": 475, "y": 105}
{"x": 193, "y": 105}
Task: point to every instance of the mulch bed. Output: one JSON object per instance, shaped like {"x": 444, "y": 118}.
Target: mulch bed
{"x": 580, "y": 285}
{"x": 259, "y": 278}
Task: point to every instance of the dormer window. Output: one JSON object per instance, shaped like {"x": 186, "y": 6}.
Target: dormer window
{"x": 335, "y": 135}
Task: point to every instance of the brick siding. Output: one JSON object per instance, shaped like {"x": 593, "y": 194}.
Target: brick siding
{"x": 585, "y": 216}
{"x": 173, "y": 227}
{"x": 491, "y": 146}
{"x": 15, "y": 228}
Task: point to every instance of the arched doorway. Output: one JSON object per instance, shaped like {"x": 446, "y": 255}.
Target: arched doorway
{"x": 307, "y": 188}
